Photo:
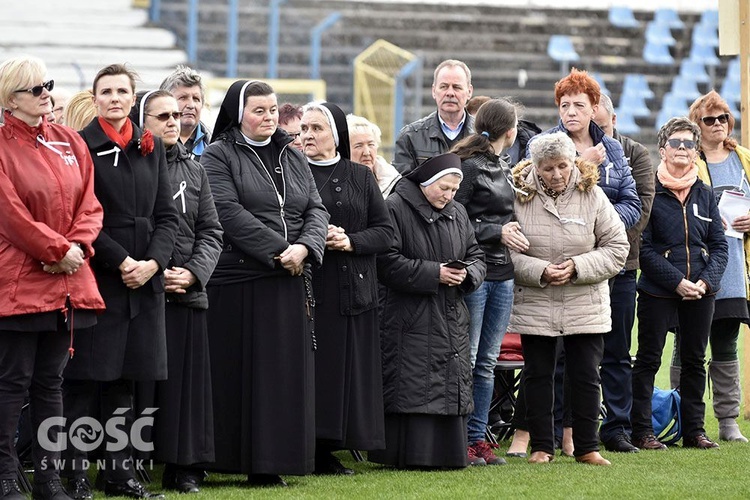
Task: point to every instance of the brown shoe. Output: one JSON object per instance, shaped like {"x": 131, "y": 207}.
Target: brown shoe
{"x": 649, "y": 442}
{"x": 700, "y": 441}
{"x": 592, "y": 458}
{"x": 541, "y": 457}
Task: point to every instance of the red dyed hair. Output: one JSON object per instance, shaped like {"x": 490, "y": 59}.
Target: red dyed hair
{"x": 578, "y": 82}
{"x": 712, "y": 104}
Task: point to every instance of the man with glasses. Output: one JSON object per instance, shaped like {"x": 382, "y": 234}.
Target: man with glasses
{"x": 186, "y": 85}
{"x": 616, "y": 369}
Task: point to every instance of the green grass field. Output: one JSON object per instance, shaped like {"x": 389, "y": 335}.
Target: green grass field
{"x": 675, "y": 473}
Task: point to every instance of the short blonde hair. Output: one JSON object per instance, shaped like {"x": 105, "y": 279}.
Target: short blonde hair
{"x": 19, "y": 73}
{"x": 80, "y": 110}
{"x": 360, "y": 124}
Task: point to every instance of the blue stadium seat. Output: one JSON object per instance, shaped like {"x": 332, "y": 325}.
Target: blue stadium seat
{"x": 686, "y": 88}
{"x": 636, "y": 83}
{"x": 602, "y": 86}
{"x": 622, "y": 17}
{"x": 634, "y": 104}
{"x": 705, "y": 34}
{"x": 694, "y": 70}
{"x": 733, "y": 70}
{"x": 626, "y": 123}
{"x": 654, "y": 53}
{"x": 674, "y": 105}
{"x": 670, "y": 17}
{"x": 560, "y": 48}
{"x": 710, "y": 17}
{"x": 731, "y": 91}
{"x": 705, "y": 54}
{"x": 659, "y": 34}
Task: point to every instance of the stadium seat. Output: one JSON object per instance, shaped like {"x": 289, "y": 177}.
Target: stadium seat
{"x": 705, "y": 34}
{"x": 659, "y": 34}
{"x": 694, "y": 70}
{"x": 672, "y": 105}
{"x": 622, "y": 17}
{"x": 669, "y": 17}
{"x": 710, "y": 17}
{"x": 602, "y": 85}
{"x": 731, "y": 91}
{"x": 657, "y": 54}
{"x": 560, "y": 48}
{"x": 626, "y": 123}
{"x": 634, "y": 104}
{"x": 636, "y": 83}
{"x": 687, "y": 88}
{"x": 733, "y": 70}
{"x": 705, "y": 54}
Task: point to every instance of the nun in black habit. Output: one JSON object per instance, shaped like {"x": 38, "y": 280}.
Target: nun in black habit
{"x": 183, "y": 425}
{"x": 261, "y": 316}
{"x": 348, "y": 378}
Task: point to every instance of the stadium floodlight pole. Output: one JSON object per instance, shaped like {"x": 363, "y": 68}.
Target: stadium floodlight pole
{"x": 232, "y": 15}
{"x": 315, "y": 39}
{"x": 192, "y": 32}
{"x": 274, "y": 15}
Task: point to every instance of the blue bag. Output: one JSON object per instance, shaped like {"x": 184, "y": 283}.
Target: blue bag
{"x": 665, "y": 415}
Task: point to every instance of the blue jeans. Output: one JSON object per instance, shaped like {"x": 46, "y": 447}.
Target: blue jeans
{"x": 489, "y": 309}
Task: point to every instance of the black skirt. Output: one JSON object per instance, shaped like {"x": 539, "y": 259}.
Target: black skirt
{"x": 183, "y": 431}
{"x": 418, "y": 440}
{"x": 348, "y": 374}
{"x": 263, "y": 374}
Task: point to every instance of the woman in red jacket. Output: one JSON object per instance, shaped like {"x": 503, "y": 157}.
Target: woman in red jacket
{"x": 50, "y": 220}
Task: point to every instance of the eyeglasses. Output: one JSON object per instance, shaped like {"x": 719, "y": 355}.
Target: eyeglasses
{"x": 162, "y": 117}
{"x": 676, "y": 143}
{"x": 710, "y": 120}
{"x": 37, "y": 90}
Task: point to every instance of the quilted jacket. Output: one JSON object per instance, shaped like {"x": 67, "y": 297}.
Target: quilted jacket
{"x": 581, "y": 224}
{"x": 682, "y": 241}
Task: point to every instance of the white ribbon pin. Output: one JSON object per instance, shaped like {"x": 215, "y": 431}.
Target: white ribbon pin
{"x": 114, "y": 150}
{"x": 181, "y": 194}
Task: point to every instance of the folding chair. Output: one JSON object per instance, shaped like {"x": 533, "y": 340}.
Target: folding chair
{"x": 507, "y": 382}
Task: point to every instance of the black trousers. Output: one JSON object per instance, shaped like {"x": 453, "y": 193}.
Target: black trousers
{"x": 33, "y": 362}
{"x": 583, "y": 355}
{"x": 655, "y": 316}
{"x": 102, "y": 401}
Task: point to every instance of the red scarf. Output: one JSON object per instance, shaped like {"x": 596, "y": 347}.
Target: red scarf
{"x": 121, "y": 138}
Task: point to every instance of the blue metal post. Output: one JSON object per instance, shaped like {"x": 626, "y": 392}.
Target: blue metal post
{"x": 274, "y": 14}
{"x": 315, "y": 37}
{"x": 398, "y": 104}
{"x": 192, "y": 31}
{"x": 154, "y": 11}
{"x": 232, "y": 22}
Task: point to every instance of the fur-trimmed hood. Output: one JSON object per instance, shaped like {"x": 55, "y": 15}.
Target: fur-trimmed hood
{"x": 584, "y": 177}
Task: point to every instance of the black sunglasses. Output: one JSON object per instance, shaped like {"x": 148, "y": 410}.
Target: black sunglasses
{"x": 162, "y": 117}
{"x": 710, "y": 120}
{"x": 36, "y": 90}
{"x": 675, "y": 143}
{"x": 294, "y": 136}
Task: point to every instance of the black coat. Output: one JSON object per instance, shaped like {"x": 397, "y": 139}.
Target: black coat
{"x": 425, "y": 324}
{"x": 140, "y": 221}
{"x": 259, "y": 223}
{"x": 682, "y": 241}
{"x": 487, "y": 194}
{"x": 198, "y": 242}
{"x": 358, "y": 207}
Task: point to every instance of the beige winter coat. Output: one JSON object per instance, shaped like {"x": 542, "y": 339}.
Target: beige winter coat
{"x": 581, "y": 225}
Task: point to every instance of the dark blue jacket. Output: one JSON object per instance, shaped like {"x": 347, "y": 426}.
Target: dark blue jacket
{"x": 615, "y": 178}
{"x": 682, "y": 241}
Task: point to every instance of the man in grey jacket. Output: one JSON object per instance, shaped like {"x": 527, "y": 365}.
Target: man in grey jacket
{"x": 437, "y": 132}
{"x": 616, "y": 370}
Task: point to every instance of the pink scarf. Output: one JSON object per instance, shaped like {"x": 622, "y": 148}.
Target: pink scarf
{"x": 680, "y": 186}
